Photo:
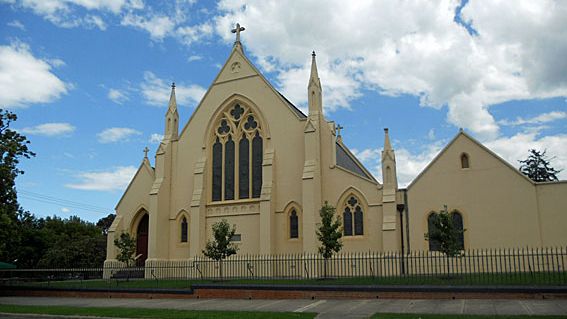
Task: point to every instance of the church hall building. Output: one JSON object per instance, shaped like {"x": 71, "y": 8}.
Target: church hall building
{"x": 249, "y": 156}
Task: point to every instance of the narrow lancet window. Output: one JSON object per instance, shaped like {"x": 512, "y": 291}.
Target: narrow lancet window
{"x": 457, "y": 219}
{"x": 347, "y": 222}
{"x": 217, "y": 170}
{"x": 229, "y": 169}
{"x": 293, "y": 224}
{"x": 184, "y": 230}
{"x": 257, "y": 153}
{"x": 465, "y": 161}
{"x": 244, "y": 168}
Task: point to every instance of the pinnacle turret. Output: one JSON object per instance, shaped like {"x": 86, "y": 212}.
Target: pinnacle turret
{"x": 171, "y": 117}
{"x": 314, "y": 90}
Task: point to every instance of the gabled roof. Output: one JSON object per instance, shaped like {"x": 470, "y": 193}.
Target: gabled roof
{"x": 237, "y": 50}
{"x": 145, "y": 164}
{"x": 486, "y": 149}
{"x": 348, "y": 161}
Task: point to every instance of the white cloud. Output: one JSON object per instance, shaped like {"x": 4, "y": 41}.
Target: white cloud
{"x": 50, "y": 129}
{"x": 95, "y": 21}
{"x": 413, "y": 48}
{"x": 117, "y": 96}
{"x": 156, "y": 91}
{"x": 16, "y": 24}
{"x": 25, "y": 79}
{"x": 516, "y": 148}
{"x": 194, "y": 58}
{"x": 117, "y": 134}
{"x": 67, "y": 13}
{"x": 431, "y": 134}
{"x": 409, "y": 164}
{"x": 65, "y": 210}
{"x": 194, "y": 33}
{"x": 156, "y": 138}
{"x": 540, "y": 119}
{"x": 157, "y": 26}
{"x": 116, "y": 179}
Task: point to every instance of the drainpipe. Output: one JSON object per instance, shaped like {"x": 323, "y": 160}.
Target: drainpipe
{"x": 401, "y": 208}
{"x": 407, "y": 218}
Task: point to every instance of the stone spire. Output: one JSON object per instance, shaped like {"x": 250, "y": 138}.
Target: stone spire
{"x": 387, "y": 145}
{"x": 171, "y": 117}
{"x": 389, "y": 163}
{"x": 314, "y": 77}
{"x": 314, "y": 89}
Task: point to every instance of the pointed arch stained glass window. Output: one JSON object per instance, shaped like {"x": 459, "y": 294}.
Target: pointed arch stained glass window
{"x": 237, "y": 154}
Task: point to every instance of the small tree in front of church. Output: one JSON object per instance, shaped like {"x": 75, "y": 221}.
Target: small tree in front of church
{"x": 126, "y": 245}
{"x": 221, "y": 246}
{"x": 538, "y": 167}
{"x": 446, "y": 234}
{"x": 329, "y": 234}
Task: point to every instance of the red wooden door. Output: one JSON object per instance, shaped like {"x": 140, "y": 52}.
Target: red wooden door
{"x": 142, "y": 241}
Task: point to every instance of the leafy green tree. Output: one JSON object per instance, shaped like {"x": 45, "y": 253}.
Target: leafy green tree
{"x": 126, "y": 245}
{"x": 221, "y": 246}
{"x": 105, "y": 223}
{"x": 72, "y": 243}
{"x": 13, "y": 147}
{"x": 445, "y": 233}
{"x": 329, "y": 234}
{"x": 538, "y": 167}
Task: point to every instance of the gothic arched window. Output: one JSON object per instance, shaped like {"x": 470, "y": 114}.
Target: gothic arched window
{"x": 465, "y": 161}
{"x": 237, "y": 155}
{"x": 457, "y": 219}
{"x": 184, "y": 230}
{"x": 353, "y": 208}
{"x": 434, "y": 244}
{"x": 293, "y": 224}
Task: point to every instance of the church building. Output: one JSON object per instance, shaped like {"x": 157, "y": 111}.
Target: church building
{"x": 249, "y": 156}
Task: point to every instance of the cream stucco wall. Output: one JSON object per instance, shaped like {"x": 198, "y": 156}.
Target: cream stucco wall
{"x": 501, "y": 207}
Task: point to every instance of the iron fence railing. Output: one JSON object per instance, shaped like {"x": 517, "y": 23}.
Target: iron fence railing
{"x": 539, "y": 266}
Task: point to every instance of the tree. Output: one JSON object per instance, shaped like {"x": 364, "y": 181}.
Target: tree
{"x": 329, "y": 234}
{"x": 13, "y": 146}
{"x": 221, "y": 246}
{"x": 105, "y": 223}
{"x": 445, "y": 233}
{"x": 126, "y": 245}
{"x": 66, "y": 242}
{"x": 538, "y": 168}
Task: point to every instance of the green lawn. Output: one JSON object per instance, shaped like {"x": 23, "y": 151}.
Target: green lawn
{"x": 148, "y": 313}
{"x": 541, "y": 279}
{"x": 428, "y": 316}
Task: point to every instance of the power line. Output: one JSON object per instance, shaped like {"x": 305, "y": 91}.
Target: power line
{"x": 63, "y": 202}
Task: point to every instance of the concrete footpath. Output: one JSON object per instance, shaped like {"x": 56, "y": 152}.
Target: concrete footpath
{"x": 325, "y": 308}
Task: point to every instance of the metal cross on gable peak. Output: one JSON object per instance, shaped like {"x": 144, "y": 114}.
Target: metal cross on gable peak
{"x": 339, "y": 128}
{"x": 237, "y": 30}
{"x": 146, "y": 150}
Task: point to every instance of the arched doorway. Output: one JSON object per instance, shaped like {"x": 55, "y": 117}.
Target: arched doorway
{"x": 142, "y": 241}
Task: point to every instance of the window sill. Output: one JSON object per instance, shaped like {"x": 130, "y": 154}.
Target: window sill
{"x": 234, "y": 202}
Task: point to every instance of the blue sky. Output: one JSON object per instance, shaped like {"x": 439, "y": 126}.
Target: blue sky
{"x": 89, "y": 79}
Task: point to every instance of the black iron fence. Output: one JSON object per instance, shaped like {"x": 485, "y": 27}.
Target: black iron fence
{"x": 533, "y": 266}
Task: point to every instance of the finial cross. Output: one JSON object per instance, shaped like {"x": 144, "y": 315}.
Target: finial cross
{"x": 339, "y": 128}
{"x": 237, "y": 30}
{"x": 146, "y": 150}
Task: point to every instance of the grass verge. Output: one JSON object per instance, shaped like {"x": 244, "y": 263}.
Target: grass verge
{"x": 146, "y": 313}
{"x": 539, "y": 279}
{"x": 431, "y": 316}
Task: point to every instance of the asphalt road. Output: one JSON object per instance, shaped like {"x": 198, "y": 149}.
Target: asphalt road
{"x": 325, "y": 308}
